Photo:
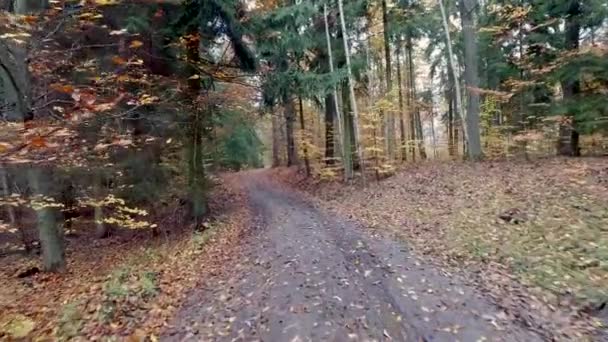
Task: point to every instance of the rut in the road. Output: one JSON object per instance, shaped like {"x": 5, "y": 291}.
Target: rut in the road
{"x": 305, "y": 276}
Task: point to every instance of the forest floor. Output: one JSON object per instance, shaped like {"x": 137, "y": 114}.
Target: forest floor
{"x": 511, "y": 251}
{"x": 532, "y": 236}
{"x": 306, "y": 273}
{"x": 125, "y": 286}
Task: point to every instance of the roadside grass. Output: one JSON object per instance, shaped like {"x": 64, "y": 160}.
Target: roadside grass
{"x": 561, "y": 246}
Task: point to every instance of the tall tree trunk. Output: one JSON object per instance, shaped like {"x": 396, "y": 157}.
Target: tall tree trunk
{"x": 194, "y": 139}
{"x": 467, "y": 10}
{"x": 51, "y": 238}
{"x": 417, "y": 122}
{"x": 351, "y": 87}
{"x": 458, "y": 108}
{"x": 289, "y": 114}
{"x": 408, "y": 97}
{"x": 390, "y": 118}
{"x": 303, "y": 127}
{"x": 276, "y": 132}
{"x": 569, "y": 137}
{"x": 101, "y": 229}
{"x": 330, "y": 114}
{"x": 402, "y": 149}
{"x": 348, "y": 171}
{"x": 450, "y": 123}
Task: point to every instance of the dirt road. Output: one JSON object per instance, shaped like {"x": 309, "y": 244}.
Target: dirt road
{"x": 306, "y": 276}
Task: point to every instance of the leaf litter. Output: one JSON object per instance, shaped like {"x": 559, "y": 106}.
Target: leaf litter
{"x": 125, "y": 288}
{"x": 531, "y": 234}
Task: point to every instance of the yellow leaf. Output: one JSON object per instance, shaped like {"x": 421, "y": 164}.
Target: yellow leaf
{"x": 136, "y": 44}
{"x": 16, "y": 326}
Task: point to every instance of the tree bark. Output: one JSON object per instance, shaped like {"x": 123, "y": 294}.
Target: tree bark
{"x": 390, "y": 119}
{"x": 303, "y": 127}
{"x": 402, "y": 149}
{"x": 467, "y": 9}
{"x": 348, "y": 171}
{"x": 351, "y": 87}
{"x": 276, "y": 150}
{"x": 330, "y": 114}
{"x": 51, "y": 239}
{"x": 458, "y": 108}
{"x": 408, "y": 97}
{"x": 289, "y": 114}
{"x": 416, "y": 121}
{"x": 568, "y": 143}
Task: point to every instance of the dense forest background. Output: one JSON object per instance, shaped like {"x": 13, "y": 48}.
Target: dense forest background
{"x": 118, "y": 116}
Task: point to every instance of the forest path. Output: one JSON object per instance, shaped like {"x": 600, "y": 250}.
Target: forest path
{"x": 306, "y": 276}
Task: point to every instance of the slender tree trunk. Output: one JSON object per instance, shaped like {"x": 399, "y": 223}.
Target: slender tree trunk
{"x": 390, "y": 118}
{"x": 450, "y": 123}
{"x": 433, "y": 139}
{"x": 348, "y": 170}
{"x": 276, "y": 150}
{"x": 408, "y": 97}
{"x": 303, "y": 127}
{"x": 351, "y": 86}
{"x": 402, "y": 149}
{"x": 289, "y": 113}
{"x": 467, "y": 10}
{"x": 330, "y": 114}
{"x": 458, "y": 108}
{"x": 51, "y": 238}
{"x": 101, "y": 229}
{"x": 417, "y": 122}
{"x": 568, "y": 143}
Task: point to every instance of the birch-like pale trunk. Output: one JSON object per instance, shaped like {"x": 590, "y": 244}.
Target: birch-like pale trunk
{"x": 353, "y": 99}
{"x": 458, "y": 94}
{"x": 348, "y": 169}
{"x": 390, "y": 118}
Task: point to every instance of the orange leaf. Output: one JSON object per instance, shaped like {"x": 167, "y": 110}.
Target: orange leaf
{"x": 118, "y": 60}
{"x": 38, "y": 142}
{"x": 30, "y": 19}
{"x": 3, "y": 147}
{"x": 135, "y": 44}
{"x": 66, "y": 89}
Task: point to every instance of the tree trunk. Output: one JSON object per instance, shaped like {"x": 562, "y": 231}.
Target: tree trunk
{"x": 416, "y": 121}
{"x": 24, "y": 7}
{"x": 408, "y": 97}
{"x": 568, "y": 143}
{"x": 467, "y": 9}
{"x": 51, "y": 239}
{"x": 101, "y": 229}
{"x": 402, "y": 149}
{"x": 303, "y": 127}
{"x": 289, "y": 114}
{"x": 276, "y": 150}
{"x": 390, "y": 119}
{"x": 351, "y": 87}
{"x": 452, "y": 67}
{"x": 330, "y": 114}
{"x": 348, "y": 171}
{"x": 450, "y": 125}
